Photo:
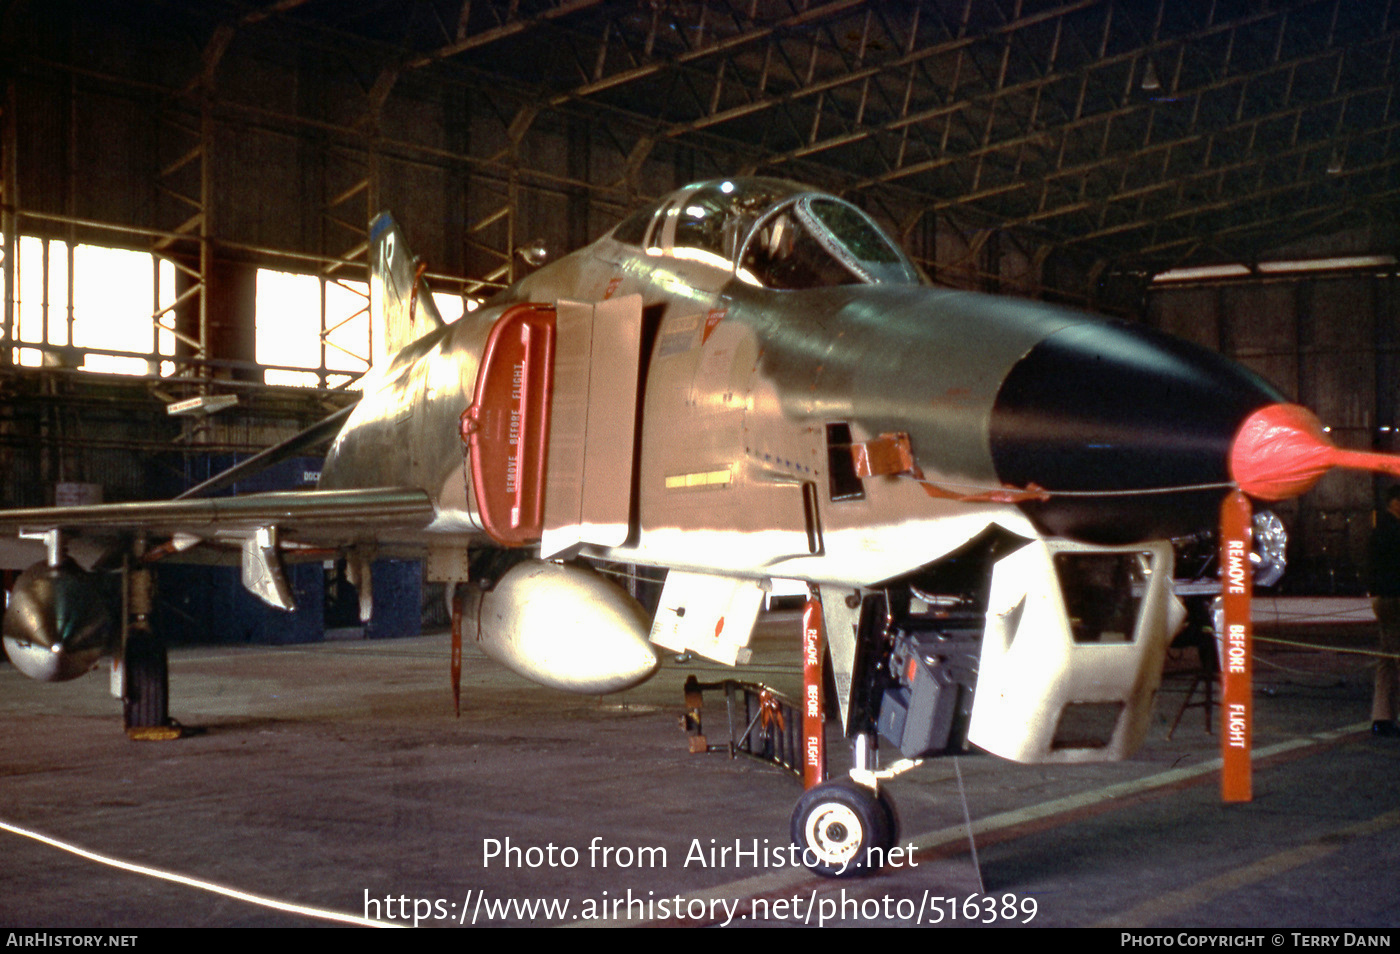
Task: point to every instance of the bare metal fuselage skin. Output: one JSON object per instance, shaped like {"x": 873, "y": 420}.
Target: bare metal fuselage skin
{"x": 752, "y": 394}
{"x": 748, "y": 379}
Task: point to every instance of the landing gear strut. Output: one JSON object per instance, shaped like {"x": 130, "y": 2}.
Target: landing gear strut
{"x": 145, "y": 682}
{"x": 842, "y": 827}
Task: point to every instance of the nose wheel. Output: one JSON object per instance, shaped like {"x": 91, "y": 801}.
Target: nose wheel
{"x": 844, "y": 829}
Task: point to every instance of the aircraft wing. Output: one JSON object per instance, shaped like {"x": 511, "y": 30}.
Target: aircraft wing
{"x": 256, "y": 522}
{"x": 321, "y": 514}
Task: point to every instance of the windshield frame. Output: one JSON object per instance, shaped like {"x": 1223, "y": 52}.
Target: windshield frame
{"x": 659, "y": 237}
{"x": 900, "y": 271}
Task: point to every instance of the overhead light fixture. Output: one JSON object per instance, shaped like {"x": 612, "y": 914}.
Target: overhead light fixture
{"x": 1334, "y": 165}
{"x": 1150, "y": 82}
{"x": 1201, "y": 273}
{"x": 1337, "y": 263}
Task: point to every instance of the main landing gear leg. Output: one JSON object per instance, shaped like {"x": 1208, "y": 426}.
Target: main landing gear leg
{"x": 842, "y": 827}
{"x": 145, "y": 678}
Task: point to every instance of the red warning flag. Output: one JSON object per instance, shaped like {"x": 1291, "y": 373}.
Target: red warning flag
{"x": 1236, "y": 676}
{"x": 813, "y": 718}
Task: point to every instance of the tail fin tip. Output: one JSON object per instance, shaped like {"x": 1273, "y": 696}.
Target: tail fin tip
{"x": 400, "y": 304}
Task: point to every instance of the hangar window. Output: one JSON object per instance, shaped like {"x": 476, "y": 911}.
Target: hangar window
{"x": 290, "y": 313}
{"x": 90, "y": 307}
{"x": 313, "y": 332}
{"x": 112, "y": 310}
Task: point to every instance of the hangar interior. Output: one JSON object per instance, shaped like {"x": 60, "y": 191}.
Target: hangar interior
{"x": 185, "y": 190}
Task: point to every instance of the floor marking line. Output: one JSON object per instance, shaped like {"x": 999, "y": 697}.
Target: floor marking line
{"x": 779, "y": 882}
{"x": 1278, "y": 863}
{"x": 197, "y": 883}
{"x": 1070, "y": 803}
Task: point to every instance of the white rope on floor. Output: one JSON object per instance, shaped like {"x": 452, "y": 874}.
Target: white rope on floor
{"x": 237, "y": 895}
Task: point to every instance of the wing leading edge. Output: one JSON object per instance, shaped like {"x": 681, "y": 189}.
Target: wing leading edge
{"x": 261, "y": 524}
{"x": 320, "y": 514}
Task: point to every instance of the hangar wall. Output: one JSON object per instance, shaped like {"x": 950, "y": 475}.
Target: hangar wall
{"x": 1328, "y": 343}
{"x": 286, "y": 147}
{"x": 229, "y": 149}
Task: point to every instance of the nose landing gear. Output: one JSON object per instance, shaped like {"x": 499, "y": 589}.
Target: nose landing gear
{"x": 843, "y": 828}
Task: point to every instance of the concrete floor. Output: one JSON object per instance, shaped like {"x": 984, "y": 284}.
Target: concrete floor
{"x": 337, "y": 776}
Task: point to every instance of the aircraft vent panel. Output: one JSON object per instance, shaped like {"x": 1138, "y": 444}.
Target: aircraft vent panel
{"x": 844, "y": 484}
{"x": 1086, "y": 725}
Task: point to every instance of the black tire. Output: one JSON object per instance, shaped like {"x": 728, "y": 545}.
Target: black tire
{"x": 842, "y": 829}
{"x": 891, "y": 815}
{"x": 147, "y": 683}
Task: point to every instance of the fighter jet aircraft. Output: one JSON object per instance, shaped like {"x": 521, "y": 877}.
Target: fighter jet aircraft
{"x": 749, "y": 381}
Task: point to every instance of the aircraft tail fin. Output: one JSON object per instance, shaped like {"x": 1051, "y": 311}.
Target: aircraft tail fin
{"x": 401, "y": 307}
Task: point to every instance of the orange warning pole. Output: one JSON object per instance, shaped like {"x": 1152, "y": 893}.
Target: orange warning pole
{"x": 813, "y": 718}
{"x": 1236, "y": 687}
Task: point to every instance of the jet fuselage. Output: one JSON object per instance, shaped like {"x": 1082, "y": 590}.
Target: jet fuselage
{"x": 767, "y": 386}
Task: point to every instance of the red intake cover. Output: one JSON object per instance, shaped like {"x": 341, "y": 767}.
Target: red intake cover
{"x": 507, "y": 426}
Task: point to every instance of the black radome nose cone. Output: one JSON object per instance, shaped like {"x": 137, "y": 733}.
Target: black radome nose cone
{"x": 1112, "y": 410}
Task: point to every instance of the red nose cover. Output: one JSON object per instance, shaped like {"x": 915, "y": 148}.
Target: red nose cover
{"x": 1282, "y": 450}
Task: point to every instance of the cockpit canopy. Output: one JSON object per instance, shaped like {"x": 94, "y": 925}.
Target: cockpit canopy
{"x": 770, "y": 233}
